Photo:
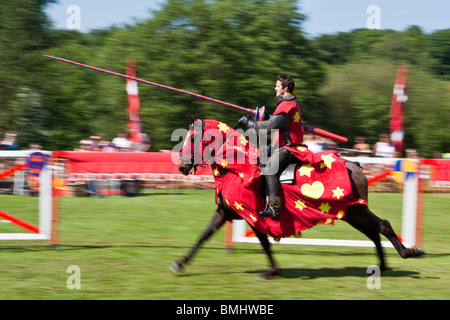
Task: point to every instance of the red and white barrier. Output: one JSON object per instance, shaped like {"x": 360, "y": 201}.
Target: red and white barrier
{"x": 46, "y": 204}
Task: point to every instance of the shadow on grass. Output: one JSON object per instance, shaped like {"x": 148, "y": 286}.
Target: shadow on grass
{"x": 68, "y": 247}
{"x": 315, "y": 273}
{"x": 303, "y": 273}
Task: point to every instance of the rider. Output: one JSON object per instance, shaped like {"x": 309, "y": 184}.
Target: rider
{"x": 287, "y": 119}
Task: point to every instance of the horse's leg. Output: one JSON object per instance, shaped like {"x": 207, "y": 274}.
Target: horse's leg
{"x": 220, "y": 217}
{"x": 360, "y": 190}
{"x": 369, "y": 232}
{"x": 387, "y": 231}
{"x": 273, "y": 270}
{"x": 369, "y": 220}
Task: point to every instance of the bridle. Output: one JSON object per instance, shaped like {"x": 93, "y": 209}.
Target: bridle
{"x": 198, "y": 126}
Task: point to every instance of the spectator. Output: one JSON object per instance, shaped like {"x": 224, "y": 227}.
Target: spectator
{"x": 84, "y": 145}
{"x": 34, "y": 146}
{"x": 412, "y": 154}
{"x": 362, "y": 147}
{"x": 121, "y": 141}
{"x": 145, "y": 145}
{"x": 95, "y": 145}
{"x": 383, "y": 148}
{"x": 107, "y": 146}
{"x": 10, "y": 142}
{"x": 313, "y": 144}
{"x": 437, "y": 155}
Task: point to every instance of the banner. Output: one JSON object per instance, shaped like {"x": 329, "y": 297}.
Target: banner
{"x": 35, "y": 163}
{"x": 396, "y": 113}
{"x": 134, "y": 118}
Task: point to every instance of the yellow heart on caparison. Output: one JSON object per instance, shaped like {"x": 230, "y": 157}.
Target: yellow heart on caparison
{"x": 314, "y": 190}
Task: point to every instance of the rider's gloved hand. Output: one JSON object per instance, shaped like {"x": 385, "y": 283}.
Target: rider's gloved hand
{"x": 247, "y": 121}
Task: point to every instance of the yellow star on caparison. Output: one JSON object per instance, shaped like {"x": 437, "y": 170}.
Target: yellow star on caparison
{"x": 327, "y": 161}
{"x": 238, "y": 205}
{"x": 223, "y": 127}
{"x": 338, "y": 193}
{"x": 325, "y": 207}
{"x": 299, "y": 204}
{"x": 296, "y": 117}
{"x": 242, "y": 140}
{"x": 306, "y": 170}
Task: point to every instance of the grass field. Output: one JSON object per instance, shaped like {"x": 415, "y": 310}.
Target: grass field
{"x": 123, "y": 247}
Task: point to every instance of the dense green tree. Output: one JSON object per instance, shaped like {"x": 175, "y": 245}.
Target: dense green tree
{"x": 24, "y": 30}
{"x": 439, "y": 50}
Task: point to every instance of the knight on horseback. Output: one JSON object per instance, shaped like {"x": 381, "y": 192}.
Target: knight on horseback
{"x": 287, "y": 120}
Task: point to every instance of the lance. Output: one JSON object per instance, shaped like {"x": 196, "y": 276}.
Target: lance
{"x": 258, "y": 112}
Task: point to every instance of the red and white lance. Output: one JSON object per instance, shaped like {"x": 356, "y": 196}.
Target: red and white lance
{"x": 258, "y": 112}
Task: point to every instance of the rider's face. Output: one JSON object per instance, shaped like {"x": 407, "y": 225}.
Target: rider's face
{"x": 279, "y": 89}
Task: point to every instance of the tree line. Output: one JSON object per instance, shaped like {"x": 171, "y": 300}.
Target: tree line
{"x": 231, "y": 50}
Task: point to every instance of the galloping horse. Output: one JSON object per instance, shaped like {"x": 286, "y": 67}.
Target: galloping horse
{"x": 324, "y": 188}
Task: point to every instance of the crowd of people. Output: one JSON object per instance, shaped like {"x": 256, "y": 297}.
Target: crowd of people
{"x": 121, "y": 143}
{"x": 383, "y": 148}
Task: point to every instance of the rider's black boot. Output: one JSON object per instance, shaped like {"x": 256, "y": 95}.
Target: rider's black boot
{"x": 272, "y": 209}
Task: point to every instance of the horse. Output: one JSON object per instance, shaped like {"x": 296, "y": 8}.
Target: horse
{"x": 203, "y": 146}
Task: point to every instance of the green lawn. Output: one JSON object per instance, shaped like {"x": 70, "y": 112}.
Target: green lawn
{"x": 123, "y": 247}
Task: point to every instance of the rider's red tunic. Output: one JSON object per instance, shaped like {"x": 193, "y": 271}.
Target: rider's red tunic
{"x": 291, "y": 108}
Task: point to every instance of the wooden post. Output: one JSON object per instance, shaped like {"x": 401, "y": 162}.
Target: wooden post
{"x": 229, "y": 244}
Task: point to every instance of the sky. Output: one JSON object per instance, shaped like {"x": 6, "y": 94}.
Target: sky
{"x": 323, "y": 16}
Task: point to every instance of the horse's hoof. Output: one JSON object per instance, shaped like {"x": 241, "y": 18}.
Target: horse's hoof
{"x": 268, "y": 274}
{"x": 176, "y": 267}
{"x": 417, "y": 252}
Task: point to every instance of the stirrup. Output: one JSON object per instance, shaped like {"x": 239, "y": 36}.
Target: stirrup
{"x": 269, "y": 213}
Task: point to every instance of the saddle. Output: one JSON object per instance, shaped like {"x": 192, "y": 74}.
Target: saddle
{"x": 288, "y": 175}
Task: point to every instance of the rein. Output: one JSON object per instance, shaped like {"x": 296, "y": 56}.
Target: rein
{"x": 197, "y": 125}
{"x": 198, "y": 138}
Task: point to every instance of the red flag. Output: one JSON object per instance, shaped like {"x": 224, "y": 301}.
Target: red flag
{"x": 396, "y": 113}
{"x": 134, "y": 118}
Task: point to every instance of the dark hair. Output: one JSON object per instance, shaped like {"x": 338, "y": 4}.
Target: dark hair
{"x": 286, "y": 82}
